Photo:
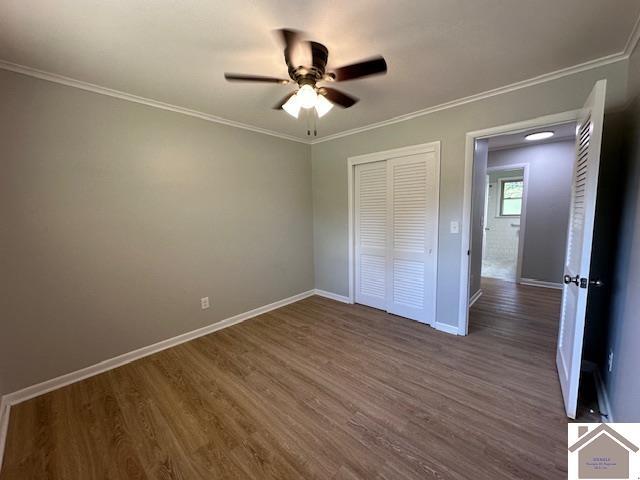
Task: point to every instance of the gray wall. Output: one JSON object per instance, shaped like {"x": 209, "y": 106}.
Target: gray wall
{"x": 329, "y": 164}
{"x": 480, "y": 157}
{"x": 118, "y": 217}
{"x": 548, "y": 201}
{"x": 623, "y": 382}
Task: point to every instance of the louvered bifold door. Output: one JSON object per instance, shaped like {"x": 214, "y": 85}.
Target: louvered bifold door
{"x": 578, "y": 253}
{"x": 412, "y": 212}
{"x": 371, "y": 234}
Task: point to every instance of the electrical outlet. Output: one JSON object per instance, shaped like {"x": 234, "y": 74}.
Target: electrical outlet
{"x": 204, "y": 303}
{"x": 610, "y": 366}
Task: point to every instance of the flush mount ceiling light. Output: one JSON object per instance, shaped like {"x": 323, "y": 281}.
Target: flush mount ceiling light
{"x": 310, "y": 96}
{"x": 532, "y": 137}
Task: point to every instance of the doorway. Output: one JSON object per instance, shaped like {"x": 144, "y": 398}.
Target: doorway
{"x": 575, "y": 264}
{"x": 521, "y": 207}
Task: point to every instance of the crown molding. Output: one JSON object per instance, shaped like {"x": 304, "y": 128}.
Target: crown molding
{"x": 632, "y": 41}
{"x": 630, "y": 46}
{"x": 71, "y": 82}
{"x": 564, "y": 72}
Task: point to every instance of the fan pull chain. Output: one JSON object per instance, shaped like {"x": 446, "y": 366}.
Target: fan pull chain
{"x": 312, "y": 122}
{"x": 315, "y": 122}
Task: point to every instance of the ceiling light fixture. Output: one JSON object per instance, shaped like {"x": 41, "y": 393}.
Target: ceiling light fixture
{"x": 323, "y": 106}
{"x": 310, "y": 95}
{"x": 292, "y": 106}
{"x": 539, "y": 136}
{"x": 307, "y": 96}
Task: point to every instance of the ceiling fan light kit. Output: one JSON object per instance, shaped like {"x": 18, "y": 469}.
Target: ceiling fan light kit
{"x": 292, "y": 106}
{"x": 307, "y": 97}
{"x": 316, "y": 100}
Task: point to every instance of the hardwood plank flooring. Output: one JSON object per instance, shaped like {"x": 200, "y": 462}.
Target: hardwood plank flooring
{"x": 317, "y": 390}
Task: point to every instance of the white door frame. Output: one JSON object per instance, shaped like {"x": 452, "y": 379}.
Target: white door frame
{"x": 471, "y": 137}
{"x": 523, "y": 210}
{"x": 377, "y": 157}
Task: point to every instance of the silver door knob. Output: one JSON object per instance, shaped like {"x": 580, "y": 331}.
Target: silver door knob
{"x": 569, "y": 279}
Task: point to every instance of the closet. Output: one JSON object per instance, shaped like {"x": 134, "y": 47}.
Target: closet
{"x": 396, "y": 233}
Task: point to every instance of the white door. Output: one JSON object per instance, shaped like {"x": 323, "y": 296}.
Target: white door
{"x": 412, "y": 211}
{"x": 371, "y": 234}
{"x": 396, "y": 234}
{"x": 578, "y": 255}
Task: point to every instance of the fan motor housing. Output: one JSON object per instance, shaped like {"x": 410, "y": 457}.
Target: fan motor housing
{"x": 311, "y": 75}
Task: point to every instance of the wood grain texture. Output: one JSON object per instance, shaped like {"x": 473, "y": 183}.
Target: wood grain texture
{"x": 317, "y": 389}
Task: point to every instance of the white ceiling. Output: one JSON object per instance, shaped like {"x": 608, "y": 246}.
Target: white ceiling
{"x": 561, "y": 132}
{"x": 176, "y": 51}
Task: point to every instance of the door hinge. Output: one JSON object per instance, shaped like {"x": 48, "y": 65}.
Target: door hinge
{"x": 584, "y": 282}
{"x": 468, "y": 252}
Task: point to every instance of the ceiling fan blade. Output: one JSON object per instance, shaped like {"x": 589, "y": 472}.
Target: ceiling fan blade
{"x": 339, "y": 98}
{"x": 279, "y": 105}
{"x": 290, "y": 39}
{"x": 319, "y": 55}
{"x": 365, "y": 68}
{"x": 239, "y": 77}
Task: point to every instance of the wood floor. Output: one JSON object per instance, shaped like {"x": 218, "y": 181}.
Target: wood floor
{"x": 317, "y": 389}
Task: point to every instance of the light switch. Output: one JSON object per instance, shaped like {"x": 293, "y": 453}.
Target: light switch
{"x": 455, "y": 226}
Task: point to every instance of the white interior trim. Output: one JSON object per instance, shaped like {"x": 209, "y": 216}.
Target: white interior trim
{"x": 4, "y": 425}
{"x": 603, "y": 397}
{"x": 600, "y": 62}
{"x": 545, "y": 121}
{"x": 71, "y": 82}
{"x": 377, "y": 157}
{"x": 539, "y": 283}
{"x": 443, "y": 327}
{"x": 6, "y": 401}
{"x": 474, "y": 298}
{"x": 632, "y": 41}
{"x": 332, "y": 296}
{"x": 73, "y": 377}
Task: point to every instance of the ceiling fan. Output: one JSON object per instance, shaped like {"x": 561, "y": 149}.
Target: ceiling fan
{"x": 309, "y": 94}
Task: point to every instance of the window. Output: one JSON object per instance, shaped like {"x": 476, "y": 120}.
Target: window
{"x": 511, "y": 197}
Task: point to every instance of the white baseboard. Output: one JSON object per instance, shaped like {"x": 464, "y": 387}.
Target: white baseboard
{"x": 539, "y": 283}
{"x": 69, "y": 378}
{"x": 332, "y": 296}
{"x": 474, "y": 298}
{"x": 604, "y": 406}
{"x": 603, "y": 398}
{"x": 4, "y": 425}
{"x": 6, "y": 401}
{"x": 443, "y": 327}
